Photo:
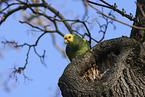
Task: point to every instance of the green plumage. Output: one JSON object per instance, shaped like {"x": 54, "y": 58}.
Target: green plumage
{"x": 76, "y": 47}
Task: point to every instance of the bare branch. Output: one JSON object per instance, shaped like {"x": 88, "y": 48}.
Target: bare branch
{"x": 89, "y": 34}
{"x": 58, "y": 14}
{"x": 21, "y": 69}
{"x": 44, "y": 30}
{"x": 113, "y": 7}
{"x": 40, "y": 56}
{"x": 44, "y": 4}
{"x": 133, "y": 26}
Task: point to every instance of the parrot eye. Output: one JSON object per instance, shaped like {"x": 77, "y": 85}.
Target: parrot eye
{"x": 69, "y": 37}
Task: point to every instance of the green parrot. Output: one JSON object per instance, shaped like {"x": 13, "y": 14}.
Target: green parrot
{"x": 75, "y": 45}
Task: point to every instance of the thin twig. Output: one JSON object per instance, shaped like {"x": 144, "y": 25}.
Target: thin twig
{"x": 44, "y": 4}
{"x": 89, "y": 34}
{"x": 113, "y": 7}
{"x": 133, "y": 26}
{"x": 40, "y": 56}
{"x": 57, "y": 13}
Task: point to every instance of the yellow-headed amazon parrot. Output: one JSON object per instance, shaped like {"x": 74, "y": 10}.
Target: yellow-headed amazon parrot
{"x": 75, "y": 45}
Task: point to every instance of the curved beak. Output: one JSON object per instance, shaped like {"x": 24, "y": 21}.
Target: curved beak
{"x": 65, "y": 41}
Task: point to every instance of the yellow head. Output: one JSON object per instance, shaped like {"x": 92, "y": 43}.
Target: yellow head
{"x": 68, "y": 38}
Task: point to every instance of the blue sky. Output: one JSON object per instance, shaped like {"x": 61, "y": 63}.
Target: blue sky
{"x": 45, "y": 78}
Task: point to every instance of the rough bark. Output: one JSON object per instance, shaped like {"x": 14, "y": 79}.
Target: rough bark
{"x": 113, "y": 68}
{"x": 137, "y": 34}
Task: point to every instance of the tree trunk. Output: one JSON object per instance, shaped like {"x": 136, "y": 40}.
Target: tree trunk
{"x": 112, "y": 68}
